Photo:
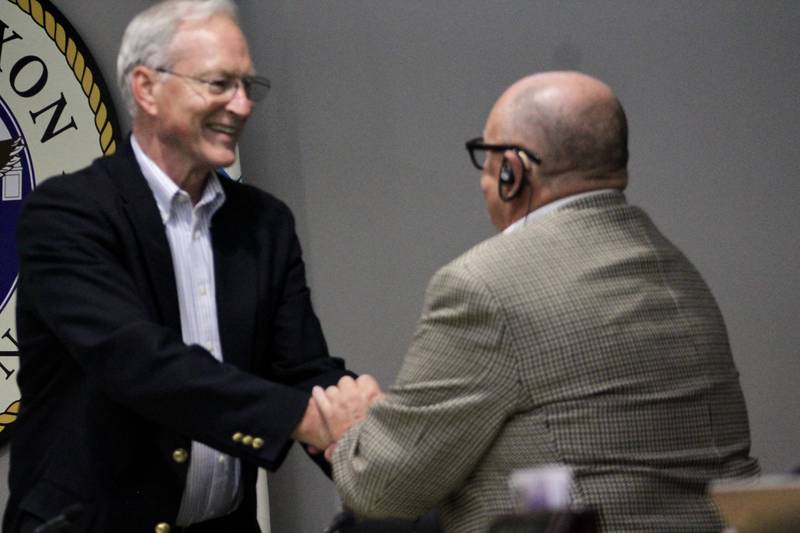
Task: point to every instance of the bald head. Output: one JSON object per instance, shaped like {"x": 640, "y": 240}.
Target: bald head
{"x": 573, "y": 121}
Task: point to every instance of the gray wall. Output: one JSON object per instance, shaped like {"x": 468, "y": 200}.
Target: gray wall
{"x": 363, "y": 136}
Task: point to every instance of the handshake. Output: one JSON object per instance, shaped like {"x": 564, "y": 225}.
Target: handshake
{"x": 332, "y": 411}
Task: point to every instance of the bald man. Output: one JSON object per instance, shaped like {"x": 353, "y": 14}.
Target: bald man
{"x": 579, "y": 335}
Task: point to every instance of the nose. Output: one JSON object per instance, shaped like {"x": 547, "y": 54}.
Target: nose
{"x": 240, "y": 104}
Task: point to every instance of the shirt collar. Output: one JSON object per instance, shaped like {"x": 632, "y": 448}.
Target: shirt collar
{"x": 165, "y": 190}
{"x": 546, "y": 209}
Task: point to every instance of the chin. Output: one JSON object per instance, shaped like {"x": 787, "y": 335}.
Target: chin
{"x": 228, "y": 161}
{"x": 221, "y": 157}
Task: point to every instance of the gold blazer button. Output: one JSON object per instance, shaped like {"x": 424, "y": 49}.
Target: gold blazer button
{"x": 258, "y": 442}
{"x": 247, "y": 440}
{"x": 163, "y": 527}
{"x": 237, "y": 437}
{"x": 180, "y": 455}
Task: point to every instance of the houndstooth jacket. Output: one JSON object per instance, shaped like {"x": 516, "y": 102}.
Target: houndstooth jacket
{"x": 584, "y": 338}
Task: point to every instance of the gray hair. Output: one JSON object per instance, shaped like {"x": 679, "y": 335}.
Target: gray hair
{"x": 148, "y": 38}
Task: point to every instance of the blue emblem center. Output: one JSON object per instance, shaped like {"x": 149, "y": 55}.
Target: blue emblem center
{"x": 16, "y": 181}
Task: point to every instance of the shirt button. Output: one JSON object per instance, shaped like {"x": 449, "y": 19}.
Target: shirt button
{"x": 221, "y": 459}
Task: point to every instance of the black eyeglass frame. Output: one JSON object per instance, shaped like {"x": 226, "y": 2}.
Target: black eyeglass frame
{"x": 245, "y": 82}
{"x": 478, "y": 144}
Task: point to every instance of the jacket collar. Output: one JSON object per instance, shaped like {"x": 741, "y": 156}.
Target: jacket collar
{"x": 586, "y": 199}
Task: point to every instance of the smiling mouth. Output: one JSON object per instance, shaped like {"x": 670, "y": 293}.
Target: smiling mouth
{"x": 224, "y": 128}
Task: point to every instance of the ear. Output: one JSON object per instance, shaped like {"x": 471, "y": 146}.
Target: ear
{"x": 509, "y": 189}
{"x": 143, "y": 87}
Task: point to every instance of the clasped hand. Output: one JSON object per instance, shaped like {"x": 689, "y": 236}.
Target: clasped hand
{"x": 334, "y": 410}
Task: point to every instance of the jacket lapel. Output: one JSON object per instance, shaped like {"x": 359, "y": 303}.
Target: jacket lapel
{"x": 140, "y": 207}
{"x": 236, "y": 279}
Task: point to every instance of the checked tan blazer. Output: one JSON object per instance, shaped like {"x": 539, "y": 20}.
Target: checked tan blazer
{"x": 584, "y": 338}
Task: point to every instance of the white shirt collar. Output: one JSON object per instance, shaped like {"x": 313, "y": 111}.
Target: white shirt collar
{"x": 165, "y": 190}
{"x": 546, "y": 209}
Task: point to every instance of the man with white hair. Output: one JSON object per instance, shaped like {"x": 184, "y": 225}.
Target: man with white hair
{"x": 167, "y": 340}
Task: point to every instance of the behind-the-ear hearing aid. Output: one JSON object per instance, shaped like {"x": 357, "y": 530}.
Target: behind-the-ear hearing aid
{"x": 508, "y": 187}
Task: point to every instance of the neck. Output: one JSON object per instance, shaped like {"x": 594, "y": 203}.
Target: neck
{"x": 554, "y": 188}
{"x": 520, "y": 208}
{"x": 189, "y": 177}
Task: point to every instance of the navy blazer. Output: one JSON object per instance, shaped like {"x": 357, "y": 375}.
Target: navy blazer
{"x": 111, "y": 396}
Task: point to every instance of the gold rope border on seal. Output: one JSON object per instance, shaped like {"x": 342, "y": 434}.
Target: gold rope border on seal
{"x": 9, "y": 416}
{"x": 76, "y": 61}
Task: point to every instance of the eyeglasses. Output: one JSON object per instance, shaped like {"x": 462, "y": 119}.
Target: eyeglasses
{"x": 477, "y": 151}
{"x": 225, "y": 87}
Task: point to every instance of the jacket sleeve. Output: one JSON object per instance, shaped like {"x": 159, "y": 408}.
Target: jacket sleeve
{"x": 298, "y": 353}
{"x": 456, "y": 388}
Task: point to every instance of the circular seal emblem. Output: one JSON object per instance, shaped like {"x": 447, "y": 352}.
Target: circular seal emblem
{"x": 56, "y": 116}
